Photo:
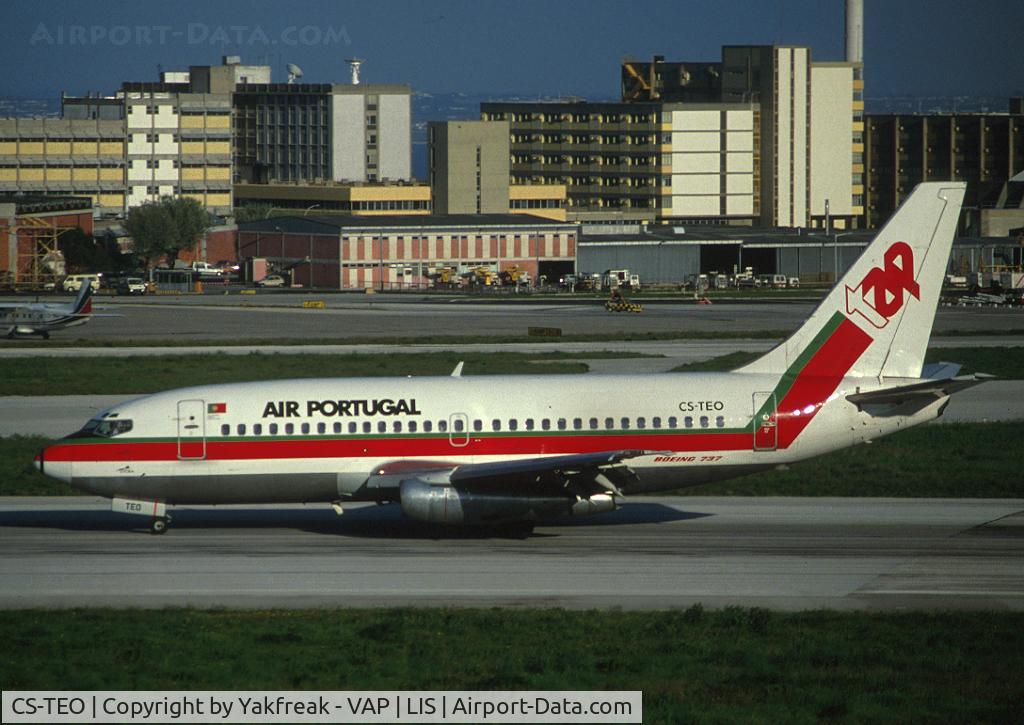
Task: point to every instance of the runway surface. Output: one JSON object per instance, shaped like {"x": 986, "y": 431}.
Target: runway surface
{"x": 279, "y": 316}
{"x": 655, "y": 553}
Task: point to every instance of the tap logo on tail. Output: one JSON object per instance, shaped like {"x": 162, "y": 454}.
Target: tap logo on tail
{"x": 879, "y": 296}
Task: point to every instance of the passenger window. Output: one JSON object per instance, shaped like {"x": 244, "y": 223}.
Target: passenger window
{"x": 305, "y": 429}
{"x": 382, "y": 427}
{"x": 672, "y": 421}
{"x": 442, "y": 426}
{"x": 321, "y": 428}
{"x": 688, "y": 421}
{"x": 478, "y": 425}
{"x": 593, "y": 424}
{"x": 240, "y": 429}
{"x": 513, "y": 424}
{"x": 577, "y": 423}
{"x": 289, "y": 428}
{"x": 396, "y": 427}
{"x": 545, "y": 424}
{"x": 529, "y": 424}
{"x": 458, "y": 425}
{"x": 625, "y": 424}
{"x": 641, "y": 422}
{"x": 496, "y": 425}
{"x": 561, "y": 424}
{"x": 428, "y": 426}
{"x": 272, "y": 429}
{"x": 337, "y": 427}
{"x": 703, "y": 421}
{"x": 720, "y": 421}
{"x": 225, "y": 430}
{"x": 655, "y": 422}
{"x": 257, "y": 429}
{"x": 353, "y": 426}
{"x": 412, "y": 426}
{"x": 609, "y": 423}
{"x": 367, "y": 427}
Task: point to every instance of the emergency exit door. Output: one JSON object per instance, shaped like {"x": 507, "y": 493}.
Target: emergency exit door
{"x": 766, "y": 428}
{"x": 191, "y": 430}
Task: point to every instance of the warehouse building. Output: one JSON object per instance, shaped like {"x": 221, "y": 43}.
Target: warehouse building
{"x": 406, "y": 252}
{"x": 30, "y": 229}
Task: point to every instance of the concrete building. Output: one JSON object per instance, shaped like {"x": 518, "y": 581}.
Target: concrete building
{"x": 701, "y": 142}
{"x": 406, "y": 252}
{"x": 193, "y": 132}
{"x": 608, "y": 155}
{"x": 469, "y": 166}
{"x": 902, "y": 150}
{"x": 357, "y": 199}
{"x": 65, "y": 157}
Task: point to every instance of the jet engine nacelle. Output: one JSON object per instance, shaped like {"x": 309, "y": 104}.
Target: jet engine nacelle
{"x": 444, "y": 504}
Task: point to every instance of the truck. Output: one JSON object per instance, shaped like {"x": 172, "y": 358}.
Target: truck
{"x": 621, "y": 278}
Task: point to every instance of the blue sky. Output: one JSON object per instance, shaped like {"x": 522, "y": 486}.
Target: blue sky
{"x": 551, "y": 47}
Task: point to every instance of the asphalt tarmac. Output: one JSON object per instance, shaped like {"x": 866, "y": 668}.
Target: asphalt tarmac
{"x": 212, "y": 318}
{"x": 655, "y": 553}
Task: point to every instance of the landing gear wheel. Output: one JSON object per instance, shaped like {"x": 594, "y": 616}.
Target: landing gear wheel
{"x": 159, "y": 525}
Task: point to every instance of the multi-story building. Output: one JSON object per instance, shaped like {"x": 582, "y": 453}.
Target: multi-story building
{"x": 194, "y": 132}
{"x": 608, "y": 155}
{"x": 468, "y": 166}
{"x": 64, "y": 157}
{"x": 321, "y": 132}
{"x": 983, "y": 149}
{"x": 732, "y": 141}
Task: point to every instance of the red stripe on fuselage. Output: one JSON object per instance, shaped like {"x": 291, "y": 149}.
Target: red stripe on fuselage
{"x": 819, "y": 379}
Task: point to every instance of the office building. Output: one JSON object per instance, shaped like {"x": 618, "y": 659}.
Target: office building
{"x": 984, "y": 149}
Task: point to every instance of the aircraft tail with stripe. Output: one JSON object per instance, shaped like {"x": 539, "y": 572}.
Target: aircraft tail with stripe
{"x": 878, "y": 318}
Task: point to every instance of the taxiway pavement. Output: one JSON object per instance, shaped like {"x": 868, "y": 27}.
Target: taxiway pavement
{"x": 655, "y": 553}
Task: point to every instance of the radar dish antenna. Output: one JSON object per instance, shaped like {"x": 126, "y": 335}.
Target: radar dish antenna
{"x": 294, "y": 72}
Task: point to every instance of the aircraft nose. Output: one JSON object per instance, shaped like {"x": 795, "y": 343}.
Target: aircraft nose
{"x": 61, "y": 470}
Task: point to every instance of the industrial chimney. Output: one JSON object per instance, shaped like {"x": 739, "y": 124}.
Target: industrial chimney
{"x": 854, "y": 31}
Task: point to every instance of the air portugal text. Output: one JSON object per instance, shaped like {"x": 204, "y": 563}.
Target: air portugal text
{"x": 340, "y": 408}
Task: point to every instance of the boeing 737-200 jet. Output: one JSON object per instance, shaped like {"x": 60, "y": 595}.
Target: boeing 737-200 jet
{"x": 512, "y": 450}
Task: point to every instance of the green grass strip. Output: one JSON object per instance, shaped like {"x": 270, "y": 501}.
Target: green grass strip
{"x": 732, "y": 665}
{"x": 150, "y": 374}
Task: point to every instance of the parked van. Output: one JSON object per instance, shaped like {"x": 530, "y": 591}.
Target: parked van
{"x": 73, "y": 282}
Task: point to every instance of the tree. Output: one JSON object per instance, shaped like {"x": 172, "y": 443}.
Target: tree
{"x": 164, "y": 228}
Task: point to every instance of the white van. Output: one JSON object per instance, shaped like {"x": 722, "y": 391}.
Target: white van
{"x": 73, "y": 282}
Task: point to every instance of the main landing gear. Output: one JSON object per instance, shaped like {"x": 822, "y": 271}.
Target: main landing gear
{"x": 159, "y": 524}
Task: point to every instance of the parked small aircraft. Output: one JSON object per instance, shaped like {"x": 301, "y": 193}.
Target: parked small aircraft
{"x": 41, "y": 318}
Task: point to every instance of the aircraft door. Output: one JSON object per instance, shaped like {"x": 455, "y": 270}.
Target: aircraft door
{"x": 766, "y": 428}
{"x": 458, "y": 430}
{"x": 191, "y": 430}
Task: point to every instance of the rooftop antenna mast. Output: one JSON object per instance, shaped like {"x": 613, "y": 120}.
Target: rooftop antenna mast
{"x": 354, "y": 64}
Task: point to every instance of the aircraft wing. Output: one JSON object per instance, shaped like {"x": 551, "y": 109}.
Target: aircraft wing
{"x": 581, "y": 474}
{"x": 603, "y": 471}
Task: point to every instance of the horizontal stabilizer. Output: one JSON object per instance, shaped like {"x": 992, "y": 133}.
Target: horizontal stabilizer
{"x": 933, "y": 389}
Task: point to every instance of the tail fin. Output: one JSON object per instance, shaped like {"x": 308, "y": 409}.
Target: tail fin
{"x": 884, "y": 306}
{"x": 83, "y": 302}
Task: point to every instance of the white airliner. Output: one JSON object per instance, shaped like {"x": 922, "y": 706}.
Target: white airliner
{"x": 514, "y": 449}
{"x": 41, "y": 318}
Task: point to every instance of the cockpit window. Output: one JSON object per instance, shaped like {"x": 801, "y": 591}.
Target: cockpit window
{"x": 110, "y": 427}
